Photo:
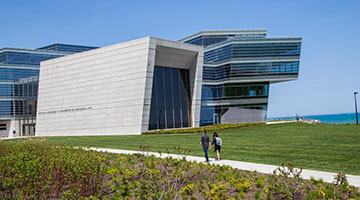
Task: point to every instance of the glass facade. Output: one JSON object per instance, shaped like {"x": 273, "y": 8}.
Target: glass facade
{"x": 170, "y": 99}
{"x": 207, "y": 40}
{"x": 24, "y": 104}
{"x": 19, "y": 69}
{"x": 220, "y": 100}
{"x": 256, "y": 50}
{"x": 234, "y": 91}
{"x": 237, "y": 70}
{"x": 16, "y": 64}
{"x": 12, "y": 74}
{"x": 67, "y": 48}
{"x": 14, "y": 57}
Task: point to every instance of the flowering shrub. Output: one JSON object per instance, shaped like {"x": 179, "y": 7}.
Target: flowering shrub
{"x": 38, "y": 170}
{"x": 34, "y": 169}
{"x": 214, "y": 127}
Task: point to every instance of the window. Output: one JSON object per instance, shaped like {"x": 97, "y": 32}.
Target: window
{"x": 170, "y": 99}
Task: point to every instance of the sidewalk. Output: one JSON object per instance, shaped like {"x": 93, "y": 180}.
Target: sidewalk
{"x": 281, "y": 122}
{"x": 267, "y": 169}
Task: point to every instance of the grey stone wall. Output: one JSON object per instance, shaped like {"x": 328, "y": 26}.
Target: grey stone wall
{"x": 107, "y": 91}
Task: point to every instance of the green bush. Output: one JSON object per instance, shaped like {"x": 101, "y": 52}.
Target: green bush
{"x": 215, "y": 127}
{"x": 34, "y": 169}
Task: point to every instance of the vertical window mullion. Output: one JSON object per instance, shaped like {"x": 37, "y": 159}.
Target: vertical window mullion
{"x": 164, "y": 94}
{"x": 172, "y": 97}
{"x": 179, "y": 86}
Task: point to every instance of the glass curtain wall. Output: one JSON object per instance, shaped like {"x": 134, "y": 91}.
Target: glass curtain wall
{"x": 229, "y": 114}
{"x": 67, "y": 48}
{"x": 25, "y": 94}
{"x": 19, "y": 58}
{"x": 170, "y": 100}
{"x": 220, "y": 103}
{"x": 234, "y": 64}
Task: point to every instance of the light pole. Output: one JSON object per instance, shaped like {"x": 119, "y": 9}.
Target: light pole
{"x": 356, "y": 113}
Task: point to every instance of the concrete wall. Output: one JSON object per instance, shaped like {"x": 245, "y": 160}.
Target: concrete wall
{"x": 11, "y": 125}
{"x": 107, "y": 91}
{"x": 243, "y": 115}
{"x": 167, "y": 53}
{"x": 6, "y": 133}
{"x": 98, "y": 92}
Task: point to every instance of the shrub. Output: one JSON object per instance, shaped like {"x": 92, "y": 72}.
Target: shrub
{"x": 214, "y": 127}
{"x": 34, "y": 169}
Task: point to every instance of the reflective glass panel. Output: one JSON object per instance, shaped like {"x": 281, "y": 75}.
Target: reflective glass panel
{"x": 170, "y": 99}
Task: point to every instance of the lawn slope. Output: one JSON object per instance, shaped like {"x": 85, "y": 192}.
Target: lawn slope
{"x": 333, "y": 148}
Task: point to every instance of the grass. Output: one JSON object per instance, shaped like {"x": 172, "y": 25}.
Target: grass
{"x": 333, "y": 148}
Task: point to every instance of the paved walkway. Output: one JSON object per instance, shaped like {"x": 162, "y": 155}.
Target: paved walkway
{"x": 268, "y": 169}
{"x": 281, "y": 122}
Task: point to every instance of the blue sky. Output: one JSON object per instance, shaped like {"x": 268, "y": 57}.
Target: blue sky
{"x": 329, "y": 69}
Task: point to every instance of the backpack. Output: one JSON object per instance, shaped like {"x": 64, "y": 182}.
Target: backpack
{"x": 218, "y": 141}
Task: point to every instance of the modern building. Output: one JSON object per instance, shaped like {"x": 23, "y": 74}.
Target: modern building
{"x": 19, "y": 69}
{"x": 127, "y": 88}
{"x": 147, "y": 84}
{"x": 239, "y": 67}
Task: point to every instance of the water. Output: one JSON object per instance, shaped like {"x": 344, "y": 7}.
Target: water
{"x": 344, "y": 118}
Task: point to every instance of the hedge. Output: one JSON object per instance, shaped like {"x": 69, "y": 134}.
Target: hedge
{"x": 34, "y": 169}
{"x": 215, "y": 127}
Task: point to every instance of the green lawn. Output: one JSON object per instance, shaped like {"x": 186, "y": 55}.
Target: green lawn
{"x": 334, "y": 148}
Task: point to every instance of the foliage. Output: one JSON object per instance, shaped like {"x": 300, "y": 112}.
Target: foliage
{"x": 215, "y": 127}
{"x": 287, "y": 182}
{"x": 33, "y": 169}
{"x": 37, "y": 170}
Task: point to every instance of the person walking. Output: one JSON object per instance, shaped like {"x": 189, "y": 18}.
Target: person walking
{"x": 217, "y": 142}
{"x": 205, "y": 142}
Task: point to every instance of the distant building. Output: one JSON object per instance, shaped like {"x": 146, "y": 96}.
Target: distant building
{"x": 17, "y": 90}
{"x": 239, "y": 67}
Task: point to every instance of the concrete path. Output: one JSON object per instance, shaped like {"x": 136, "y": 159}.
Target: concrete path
{"x": 281, "y": 122}
{"x": 268, "y": 169}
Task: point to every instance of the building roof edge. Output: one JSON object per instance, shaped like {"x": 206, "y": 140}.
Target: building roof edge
{"x": 224, "y": 32}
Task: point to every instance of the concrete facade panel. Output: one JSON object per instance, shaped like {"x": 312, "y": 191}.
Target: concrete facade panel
{"x": 107, "y": 91}
{"x": 94, "y": 93}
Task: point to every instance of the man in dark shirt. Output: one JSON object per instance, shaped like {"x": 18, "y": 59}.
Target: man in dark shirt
{"x": 205, "y": 142}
